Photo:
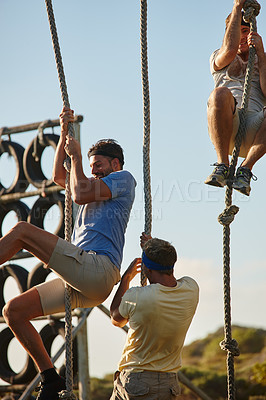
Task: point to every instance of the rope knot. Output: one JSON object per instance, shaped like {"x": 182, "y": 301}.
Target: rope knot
{"x": 252, "y": 10}
{"x": 228, "y": 215}
{"x": 65, "y": 394}
{"x": 231, "y": 346}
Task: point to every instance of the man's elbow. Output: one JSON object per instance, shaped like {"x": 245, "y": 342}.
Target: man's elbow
{"x": 119, "y": 324}
{"x": 76, "y": 199}
{"x": 58, "y": 181}
{"x": 79, "y": 199}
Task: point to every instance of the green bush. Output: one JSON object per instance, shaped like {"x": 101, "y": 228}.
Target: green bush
{"x": 101, "y": 389}
{"x": 213, "y": 348}
{"x": 250, "y": 340}
{"x": 259, "y": 373}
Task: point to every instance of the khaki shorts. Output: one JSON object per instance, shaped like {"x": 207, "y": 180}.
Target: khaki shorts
{"x": 146, "y": 385}
{"x": 92, "y": 277}
{"x": 254, "y": 120}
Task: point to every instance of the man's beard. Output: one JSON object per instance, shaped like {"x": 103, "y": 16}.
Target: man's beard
{"x": 106, "y": 172}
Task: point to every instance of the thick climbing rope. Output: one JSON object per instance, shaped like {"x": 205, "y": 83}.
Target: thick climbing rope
{"x": 68, "y": 393}
{"x": 146, "y": 124}
{"x": 252, "y": 9}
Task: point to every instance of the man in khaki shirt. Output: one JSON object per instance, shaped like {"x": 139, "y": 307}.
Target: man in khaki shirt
{"x": 159, "y": 316}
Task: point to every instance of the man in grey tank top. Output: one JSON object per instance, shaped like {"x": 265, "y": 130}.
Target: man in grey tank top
{"x": 228, "y": 67}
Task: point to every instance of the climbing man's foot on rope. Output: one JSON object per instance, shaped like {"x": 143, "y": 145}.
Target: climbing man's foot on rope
{"x": 242, "y": 180}
{"x": 218, "y": 176}
{"x": 50, "y": 390}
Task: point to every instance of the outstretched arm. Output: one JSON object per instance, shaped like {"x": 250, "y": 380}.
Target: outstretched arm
{"x": 116, "y": 318}
{"x": 231, "y": 38}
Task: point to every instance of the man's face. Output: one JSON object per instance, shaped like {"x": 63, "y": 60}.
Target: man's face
{"x": 243, "y": 46}
{"x": 100, "y": 166}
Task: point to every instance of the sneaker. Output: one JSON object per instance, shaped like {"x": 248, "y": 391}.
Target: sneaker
{"x": 218, "y": 176}
{"x": 49, "y": 391}
{"x": 242, "y": 180}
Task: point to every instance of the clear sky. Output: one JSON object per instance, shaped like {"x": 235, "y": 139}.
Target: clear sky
{"x": 101, "y": 55}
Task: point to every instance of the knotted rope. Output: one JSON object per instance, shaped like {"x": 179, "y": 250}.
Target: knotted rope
{"x": 68, "y": 393}
{"x": 146, "y": 124}
{"x": 251, "y": 8}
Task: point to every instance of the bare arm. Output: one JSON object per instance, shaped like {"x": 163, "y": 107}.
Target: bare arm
{"x": 231, "y": 38}
{"x": 254, "y": 39}
{"x": 59, "y": 172}
{"x": 116, "y": 318}
{"x": 83, "y": 189}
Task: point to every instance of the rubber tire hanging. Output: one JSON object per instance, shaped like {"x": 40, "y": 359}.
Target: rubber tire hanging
{"x": 20, "y": 208}
{"x": 19, "y": 183}
{"x": 32, "y": 159}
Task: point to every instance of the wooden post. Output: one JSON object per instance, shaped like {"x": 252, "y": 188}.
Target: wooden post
{"x": 83, "y": 364}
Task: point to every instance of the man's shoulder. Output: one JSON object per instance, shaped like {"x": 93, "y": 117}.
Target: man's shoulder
{"x": 121, "y": 184}
{"x": 212, "y": 60}
{"x": 190, "y": 282}
{"x": 214, "y": 54}
{"x": 135, "y": 292}
{"x": 121, "y": 175}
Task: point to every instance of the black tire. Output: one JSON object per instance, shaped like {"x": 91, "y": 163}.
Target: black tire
{"x": 32, "y": 167}
{"x": 37, "y": 275}
{"x": 17, "y": 272}
{"x": 20, "y": 208}
{"x": 41, "y": 207}
{"x": 16, "y": 397}
{"x": 27, "y": 373}
{"x": 20, "y": 182}
{"x": 49, "y": 333}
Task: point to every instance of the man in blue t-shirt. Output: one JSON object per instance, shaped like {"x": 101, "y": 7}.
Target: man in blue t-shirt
{"x": 91, "y": 263}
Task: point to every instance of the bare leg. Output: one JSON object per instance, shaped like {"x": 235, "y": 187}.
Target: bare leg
{"x": 17, "y": 313}
{"x": 221, "y": 106}
{"x": 27, "y": 236}
{"x": 258, "y": 148}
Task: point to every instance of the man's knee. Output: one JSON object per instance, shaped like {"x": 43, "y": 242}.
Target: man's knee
{"x": 221, "y": 97}
{"x": 23, "y": 307}
{"x": 10, "y": 312}
{"x": 21, "y": 228}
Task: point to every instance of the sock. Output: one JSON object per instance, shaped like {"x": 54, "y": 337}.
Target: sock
{"x": 49, "y": 375}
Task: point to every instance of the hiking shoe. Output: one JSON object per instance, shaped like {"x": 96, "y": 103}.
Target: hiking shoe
{"x": 218, "y": 176}
{"x": 242, "y": 180}
{"x": 49, "y": 391}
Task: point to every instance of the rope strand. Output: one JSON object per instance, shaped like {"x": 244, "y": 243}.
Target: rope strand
{"x": 146, "y": 124}
{"x": 230, "y": 345}
{"x": 68, "y": 393}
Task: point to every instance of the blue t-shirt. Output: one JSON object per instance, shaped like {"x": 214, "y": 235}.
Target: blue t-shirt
{"x": 100, "y": 226}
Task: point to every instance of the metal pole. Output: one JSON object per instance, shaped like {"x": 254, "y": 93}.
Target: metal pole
{"x": 27, "y": 392}
{"x": 35, "y": 125}
{"x": 83, "y": 364}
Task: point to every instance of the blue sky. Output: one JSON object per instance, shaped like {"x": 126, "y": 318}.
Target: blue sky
{"x": 101, "y": 55}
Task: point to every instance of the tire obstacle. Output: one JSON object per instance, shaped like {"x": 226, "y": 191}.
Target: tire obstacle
{"x": 29, "y": 173}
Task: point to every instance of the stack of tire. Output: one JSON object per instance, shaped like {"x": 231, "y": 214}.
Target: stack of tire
{"x": 29, "y": 171}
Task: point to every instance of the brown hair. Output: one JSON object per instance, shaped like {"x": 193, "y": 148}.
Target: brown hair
{"x": 108, "y": 148}
{"x": 161, "y": 252}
